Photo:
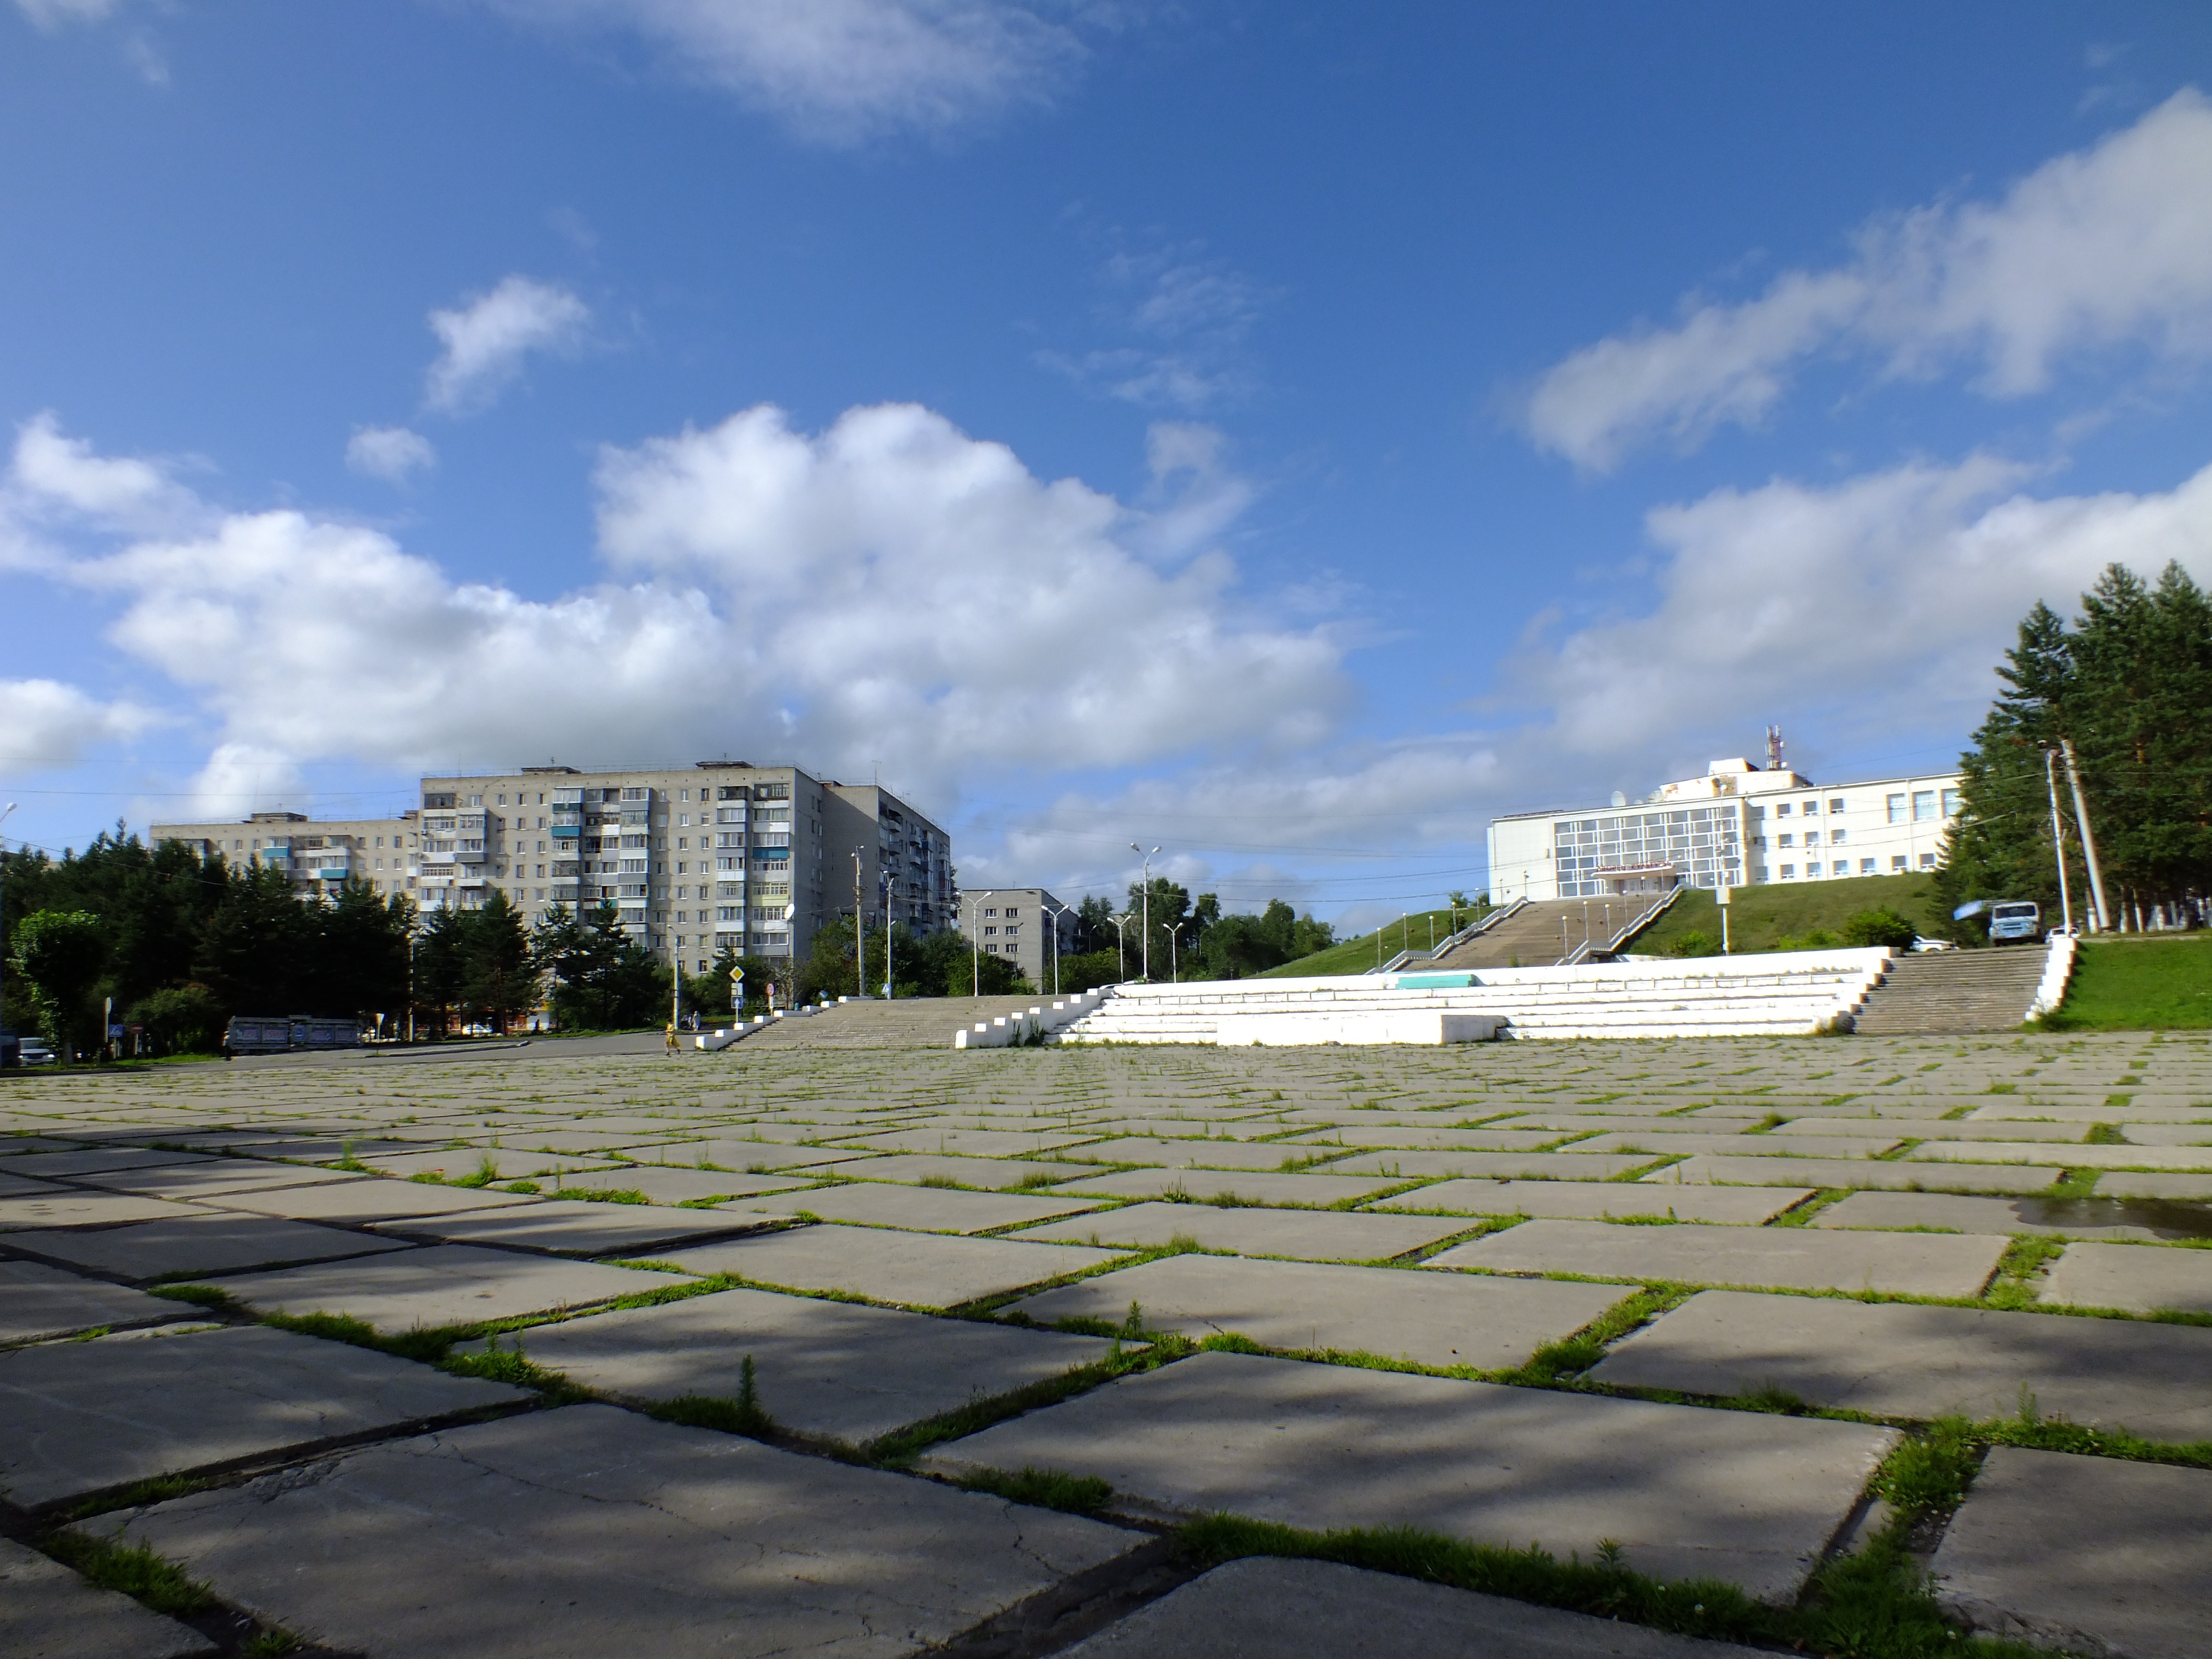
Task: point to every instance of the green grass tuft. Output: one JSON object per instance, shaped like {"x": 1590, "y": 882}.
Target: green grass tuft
{"x": 1045, "y": 1489}
{"x": 131, "y": 1570}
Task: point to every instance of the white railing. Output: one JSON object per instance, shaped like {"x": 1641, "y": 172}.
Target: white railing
{"x": 1016, "y": 1029}
{"x": 2057, "y": 973}
{"x": 1409, "y": 958}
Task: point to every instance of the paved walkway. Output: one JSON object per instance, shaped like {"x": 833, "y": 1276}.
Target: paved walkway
{"x": 559, "y": 1349}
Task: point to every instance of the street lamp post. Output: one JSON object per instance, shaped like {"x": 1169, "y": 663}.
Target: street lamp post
{"x": 890, "y": 898}
{"x": 1147, "y": 945}
{"x": 1052, "y": 923}
{"x": 1120, "y": 945}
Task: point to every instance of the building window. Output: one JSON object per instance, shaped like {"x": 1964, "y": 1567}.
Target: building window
{"x": 1841, "y": 867}
{"x": 1012, "y": 913}
{"x": 1896, "y": 804}
{"x": 1789, "y": 871}
{"x": 1924, "y": 806}
{"x": 1785, "y": 840}
{"x": 1866, "y": 866}
{"x": 1950, "y": 803}
{"x": 991, "y": 911}
{"x": 1835, "y": 803}
{"x": 990, "y": 932}
{"x": 1782, "y": 809}
{"x": 1836, "y": 837}
{"x": 1898, "y": 862}
{"x": 1928, "y": 861}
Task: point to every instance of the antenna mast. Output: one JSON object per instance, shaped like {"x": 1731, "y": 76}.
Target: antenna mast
{"x": 1774, "y": 749}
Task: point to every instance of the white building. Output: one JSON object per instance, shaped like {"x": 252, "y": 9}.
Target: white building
{"x": 1026, "y": 925}
{"x": 1736, "y": 826}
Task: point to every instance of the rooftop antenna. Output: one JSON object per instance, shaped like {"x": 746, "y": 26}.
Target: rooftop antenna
{"x": 1774, "y": 749}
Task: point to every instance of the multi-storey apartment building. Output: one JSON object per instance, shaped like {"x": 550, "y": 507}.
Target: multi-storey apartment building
{"x": 1738, "y": 825}
{"x": 319, "y": 855}
{"x": 724, "y": 853}
{"x": 1027, "y": 926}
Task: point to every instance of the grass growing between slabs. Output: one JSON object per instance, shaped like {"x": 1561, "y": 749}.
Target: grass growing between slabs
{"x": 2138, "y": 983}
{"x": 1874, "y": 1603}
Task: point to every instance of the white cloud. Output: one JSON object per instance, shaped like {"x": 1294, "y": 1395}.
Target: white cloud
{"x": 390, "y": 453}
{"x": 843, "y": 71}
{"x": 890, "y": 589}
{"x": 486, "y": 339}
{"x": 1191, "y": 312}
{"x": 2110, "y": 246}
{"x": 1880, "y": 606}
{"x": 55, "y": 476}
{"x": 45, "y": 724}
{"x": 51, "y": 15}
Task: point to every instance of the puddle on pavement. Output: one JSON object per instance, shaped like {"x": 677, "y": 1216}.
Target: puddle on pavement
{"x": 2168, "y": 1218}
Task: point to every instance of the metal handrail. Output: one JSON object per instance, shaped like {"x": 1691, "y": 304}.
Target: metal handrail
{"x": 1409, "y": 958}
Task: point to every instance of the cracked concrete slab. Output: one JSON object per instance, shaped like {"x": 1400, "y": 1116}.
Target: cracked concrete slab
{"x": 2090, "y": 1553}
{"x": 1310, "y": 1234}
{"x": 1799, "y": 1258}
{"x": 920, "y": 1270}
{"x": 569, "y": 1227}
{"x": 48, "y": 1611}
{"x": 1750, "y": 1498}
{"x": 38, "y": 1302}
{"x": 2139, "y": 1278}
{"x": 198, "y": 1244}
{"x": 1867, "y": 1172}
{"x": 31, "y": 1212}
{"x": 831, "y": 1369}
{"x": 84, "y": 1417}
{"x": 1324, "y": 1610}
{"x": 1896, "y": 1360}
{"x": 1600, "y": 1200}
{"x": 1313, "y": 1188}
{"x": 1430, "y": 1318}
{"x": 914, "y": 1209}
{"x": 359, "y": 1203}
{"x": 589, "y": 1531}
{"x": 439, "y": 1284}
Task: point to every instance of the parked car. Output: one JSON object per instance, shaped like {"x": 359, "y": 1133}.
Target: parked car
{"x": 34, "y": 1052}
{"x": 2015, "y": 922}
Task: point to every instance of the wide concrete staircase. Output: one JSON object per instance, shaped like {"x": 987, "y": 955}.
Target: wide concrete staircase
{"x": 1794, "y": 993}
{"x": 1935, "y": 991}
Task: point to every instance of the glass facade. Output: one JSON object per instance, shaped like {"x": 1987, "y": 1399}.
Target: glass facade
{"x": 1703, "y": 843}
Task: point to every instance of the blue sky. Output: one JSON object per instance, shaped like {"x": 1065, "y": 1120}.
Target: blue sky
{"x": 1285, "y": 434}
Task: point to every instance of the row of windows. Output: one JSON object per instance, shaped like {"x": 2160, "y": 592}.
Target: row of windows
{"x": 1899, "y": 864}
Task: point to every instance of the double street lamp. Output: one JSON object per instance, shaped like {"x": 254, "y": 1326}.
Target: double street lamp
{"x": 1147, "y": 956}
{"x": 975, "y": 945}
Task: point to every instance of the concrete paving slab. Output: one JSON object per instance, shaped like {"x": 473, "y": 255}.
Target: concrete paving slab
{"x": 216, "y": 1180}
{"x": 1711, "y": 1167}
{"x": 359, "y": 1203}
{"x": 1429, "y": 1137}
{"x": 572, "y": 1227}
{"x": 1495, "y": 1166}
{"x": 1598, "y": 1200}
{"x": 1687, "y": 1492}
{"x": 2138, "y": 1277}
{"x": 86, "y": 1417}
{"x": 1313, "y": 1188}
{"x": 917, "y": 1209}
{"x": 2090, "y": 1553}
{"x": 934, "y": 1141}
{"x": 48, "y": 1611}
{"x": 2130, "y": 1184}
{"x": 1194, "y": 1154}
{"x": 96, "y": 1160}
{"x": 1324, "y": 1610}
{"x": 2072, "y": 1157}
{"x": 1800, "y": 1258}
{"x": 1897, "y": 1359}
{"x": 1946, "y": 1129}
{"x": 746, "y": 1157}
{"x": 2141, "y": 1220}
{"x": 1778, "y": 1144}
{"x": 591, "y": 1531}
{"x": 13, "y": 1186}
{"x": 1306, "y": 1234}
{"x": 38, "y": 1302}
{"x": 832, "y": 1368}
{"x": 508, "y": 1163}
{"x": 1431, "y": 1319}
{"x": 200, "y": 1243}
{"x": 442, "y": 1285}
{"x": 12, "y": 1146}
{"x": 683, "y": 1186}
{"x": 920, "y": 1270}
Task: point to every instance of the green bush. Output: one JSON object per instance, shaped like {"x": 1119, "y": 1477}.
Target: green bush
{"x": 187, "y": 1020}
{"x": 1882, "y": 926}
{"x": 1695, "y": 943}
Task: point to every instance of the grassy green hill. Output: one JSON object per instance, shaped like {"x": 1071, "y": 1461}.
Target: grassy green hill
{"x": 2140, "y": 983}
{"x": 1758, "y": 916}
{"x": 1356, "y": 956}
